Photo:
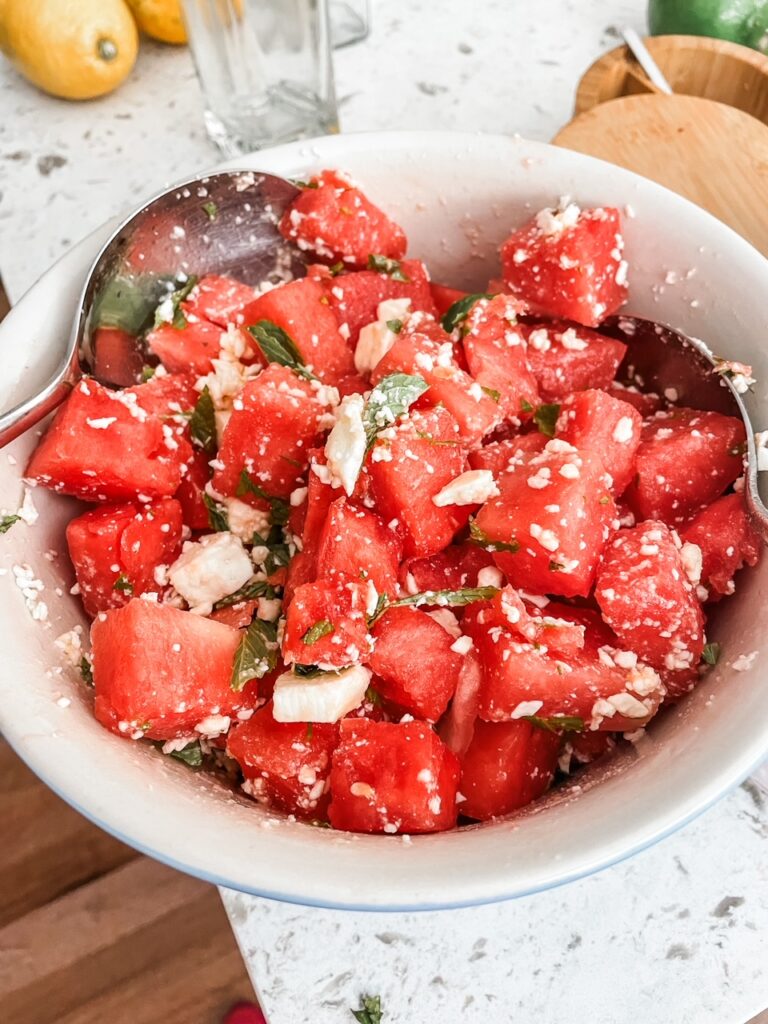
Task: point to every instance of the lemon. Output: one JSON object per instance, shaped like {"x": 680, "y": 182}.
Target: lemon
{"x": 75, "y": 49}
{"x": 160, "y": 19}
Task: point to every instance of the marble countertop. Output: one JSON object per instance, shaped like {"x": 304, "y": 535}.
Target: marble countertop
{"x": 676, "y": 935}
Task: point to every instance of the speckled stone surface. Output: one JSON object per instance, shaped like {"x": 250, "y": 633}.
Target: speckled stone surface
{"x": 678, "y": 934}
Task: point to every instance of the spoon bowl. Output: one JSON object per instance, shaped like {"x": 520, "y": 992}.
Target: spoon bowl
{"x": 224, "y": 223}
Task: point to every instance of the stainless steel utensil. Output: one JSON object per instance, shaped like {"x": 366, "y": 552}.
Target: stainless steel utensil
{"x": 223, "y": 223}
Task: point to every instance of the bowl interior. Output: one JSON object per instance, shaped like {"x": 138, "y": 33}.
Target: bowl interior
{"x": 457, "y": 196}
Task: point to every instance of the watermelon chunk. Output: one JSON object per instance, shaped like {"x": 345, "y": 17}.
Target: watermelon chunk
{"x": 415, "y": 662}
{"x": 565, "y": 357}
{"x": 336, "y": 221}
{"x": 648, "y": 600}
{"x": 219, "y": 299}
{"x": 594, "y": 421}
{"x": 444, "y": 297}
{"x": 567, "y": 263}
{"x": 276, "y": 420}
{"x": 159, "y": 672}
{"x": 686, "y": 459}
{"x": 101, "y": 446}
{"x": 188, "y": 349}
{"x": 116, "y": 549}
{"x": 507, "y": 765}
{"x": 355, "y": 543}
{"x": 301, "y": 309}
{"x": 326, "y": 624}
{"x": 287, "y": 764}
{"x": 392, "y": 777}
{"x": 496, "y": 354}
{"x": 727, "y": 539}
{"x": 355, "y": 297}
{"x": 550, "y": 521}
{"x": 409, "y": 469}
{"x": 453, "y": 568}
{"x": 498, "y": 456}
{"x": 191, "y": 491}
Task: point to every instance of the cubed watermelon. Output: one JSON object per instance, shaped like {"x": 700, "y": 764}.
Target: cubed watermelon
{"x": 335, "y": 220}
{"x": 686, "y": 459}
{"x": 191, "y": 490}
{"x": 507, "y": 765}
{"x": 452, "y": 568}
{"x": 444, "y": 297}
{"x": 565, "y": 357}
{"x": 551, "y": 519}
{"x": 326, "y": 624}
{"x": 567, "y": 263}
{"x": 160, "y": 672}
{"x": 355, "y": 297}
{"x": 594, "y": 421}
{"x": 414, "y": 659}
{"x": 187, "y": 349}
{"x": 497, "y": 456}
{"x": 118, "y": 550}
{"x": 286, "y": 764}
{"x": 392, "y": 777}
{"x": 356, "y": 543}
{"x": 102, "y": 446}
{"x": 646, "y": 402}
{"x": 727, "y": 539}
{"x": 218, "y": 299}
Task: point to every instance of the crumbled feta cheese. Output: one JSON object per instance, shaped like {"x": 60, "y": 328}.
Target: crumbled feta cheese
{"x": 470, "y": 488}
{"x": 623, "y": 431}
{"x": 690, "y": 555}
{"x": 27, "y": 511}
{"x": 375, "y": 340}
{"x": 103, "y": 423}
{"x": 209, "y": 569}
{"x": 31, "y": 588}
{"x": 744, "y": 662}
{"x": 490, "y": 576}
{"x": 245, "y": 520}
{"x": 324, "y": 698}
{"x": 71, "y": 645}
{"x": 761, "y": 443}
{"x": 446, "y": 618}
{"x": 213, "y": 726}
{"x": 345, "y": 447}
{"x": 553, "y": 222}
{"x": 462, "y": 645}
{"x": 628, "y": 705}
{"x": 269, "y": 608}
{"x": 527, "y": 707}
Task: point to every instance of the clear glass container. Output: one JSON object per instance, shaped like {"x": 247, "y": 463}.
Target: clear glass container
{"x": 265, "y": 70}
{"x": 350, "y": 21}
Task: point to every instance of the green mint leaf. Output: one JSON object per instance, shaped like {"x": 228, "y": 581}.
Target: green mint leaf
{"x": 191, "y": 755}
{"x": 442, "y": 598}
{"x": 492, "y": 393}
{"x": 308, "y": 671}
{"x": 310, "y": 731}
{"x": 395, "y": 326}
{"x": 337, "y": 268}
{"x": 431, "y": 439}
{"x": 86, "y": 671}
{"x": 480, "y": 537}
{"x": 370, "y": 1011}
{"x": 557, "y": 723}
{"x": 280, "y": 508}
{"x": 147, "y": 373}
{"x": 248, "y": 592}
{"x": 7, "y": 522}
{"x": 202, "y": 422}
{"x": 711, "y": 653}
{"x": 320, "y": 629}
{"x": 546, "y": 418}
{"x": 123, "y": 584}
{"x": 211, "y": 210}
{"x": 178, "y": 319}
{"x": 525, "y": 405}
{"x": 373, "y": 696}
{"x": 456, "y": 314}
{"x": 556, "y": 566}
{"x": 305, "y": 184}
{"x": 391, "y": 397}
{"x": 217, "y": 514}
{"x": 278, "y": 347}
{"x": 386, "y": 266}
{"x": 257, "y": 654}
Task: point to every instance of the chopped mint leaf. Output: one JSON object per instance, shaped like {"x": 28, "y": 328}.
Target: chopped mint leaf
{"x": 373, "y": 696}
{"x": 546, "y": 418}
{"x": 256, "y": 655}
{"x": 370, "y": 1011}
{"x": 557, "y": 723}
{"x": 202, "y": 422}
{"x": 387, "y": 266}
{"x": 395, "y": 326}
{"x": 278, "y": 347}
{"x": 556, "y": 566}
{"x": 211, "y": 210}
{"x": 320, "y": 629}
{"x": 249, "y": 592}
{"x": 191, "y": 755}
{"x": 217, "y": 514}
{"x": 310, "y": 731}
{"x": 431, "y": 439}
{"x": 480, "y": 537}
{"x": 711, "y": 653}
{"x": 177, "y": 318}
{"x": 337, "y": 268}
{"x": 456, "y": 314}
{"x": 123, "y": 584}
{"x": 442, "y": 598}
{"x": 492, "y": 393}
{"x": 7, "y": 522}
{"x": 308, "y": 671}
{"x": 304, "y": 184}
{"x": 280, "y": 509}
{"x": 147, "y": 373}
{"x": 525, "y": 405}
{"x": 86, "y": 671}
{"x": 391, "y": 397}
{"x": 279, "y": 553}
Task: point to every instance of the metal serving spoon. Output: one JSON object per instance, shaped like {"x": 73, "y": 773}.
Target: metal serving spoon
{"x": 223, "y": 223}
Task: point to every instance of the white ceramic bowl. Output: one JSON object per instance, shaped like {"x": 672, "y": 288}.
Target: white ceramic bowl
{"x": 457, "y": 195}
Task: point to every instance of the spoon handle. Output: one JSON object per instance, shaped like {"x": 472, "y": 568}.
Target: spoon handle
{"x": 34, "y": 409}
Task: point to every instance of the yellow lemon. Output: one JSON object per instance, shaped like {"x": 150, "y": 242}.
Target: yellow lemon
{"x": 160, "y": 19}
{"x": 75, "y": 49}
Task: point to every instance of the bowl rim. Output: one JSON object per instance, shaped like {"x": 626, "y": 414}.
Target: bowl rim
{"x": 702, "y": 793}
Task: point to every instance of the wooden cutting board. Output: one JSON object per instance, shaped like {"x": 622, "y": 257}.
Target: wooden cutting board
{"x": 712, "y": 153}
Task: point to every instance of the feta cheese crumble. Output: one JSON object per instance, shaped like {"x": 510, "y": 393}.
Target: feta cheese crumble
{"x": 470, "y": 488}
{"x": 345, "y": 447}
{"x": 323, "y": 698}
{"x": 207, "y": 570}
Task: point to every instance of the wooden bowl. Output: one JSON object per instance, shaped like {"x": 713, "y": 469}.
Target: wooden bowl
{"x": 693, "y": 65}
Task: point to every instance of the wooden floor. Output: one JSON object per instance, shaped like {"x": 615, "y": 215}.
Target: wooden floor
{"x": 93, "y": 933}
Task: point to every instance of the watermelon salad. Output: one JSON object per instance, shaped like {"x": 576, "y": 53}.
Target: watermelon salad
{"x": 394, "y": 556}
